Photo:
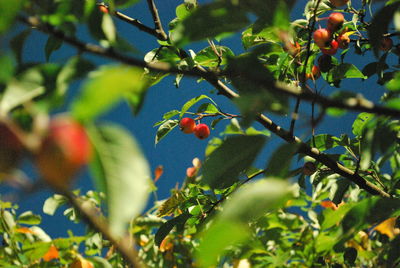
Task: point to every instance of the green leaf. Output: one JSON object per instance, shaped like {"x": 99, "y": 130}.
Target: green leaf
{"x": 323, "y": 142}
{"x": 230, "y": 227}
{"x": 224, "y": 165}
{"x": 8, "y": 12}
{"x": 105, "y": 87}
{"x": 166, "y": 227}
{"x": 380, "y": 24}
{"x": 192, "y": 102}
{"x": 28, "y": 86}
{"x": 394, "y": 84}
{"x": 208, "y": 57}
{"x": 165, "y": 128}
{"x": 7, "y": 68}
{"x": 207, "y": 108}
{"x": 52, "y": 44}
{"x": 342, "y": 71}
{"x": 53, "y": 203}
{"x": 360, "y": 123}
{"x": 109, "y": 28}
{"x": 123, "y": 171}
{"x": 29, "y": 218}
{"x": 208, "y": 21}
{"x": 124, "y": 3}
{"x": 279, "y": 164}
{"x": 17, "y": 44}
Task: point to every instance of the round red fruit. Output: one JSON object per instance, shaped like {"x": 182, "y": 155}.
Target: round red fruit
{"x": 64, "y": 150}
{"x": 335, "y": 21}
{"x": 315, "y": 72}
{"x": 322, "y": 37}
{"x": 338, "y": 3}
{"x": 332, "y": 49}
{"x": 103, "y": 9}
{"x": 386, "y": 44}
{"x": 343, "y": 41}
{"x": 187, "y": 125}
{"x": 309, "y": 168}
{"x": 202, "y": 131}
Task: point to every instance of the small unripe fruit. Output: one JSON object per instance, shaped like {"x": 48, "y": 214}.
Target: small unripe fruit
{"x": 202, "y": 131}
{"x": 335, "y": 21}
{"x": 187, "y": 125}
{"x": 343, "y": 41}
{"x": 325, "y": 63}
{"x": 11, "y": 149}
{"x": 386, "y": 44}
{"x": 332, "y": 49}
{"x": 309, "y": 168}
{"x": 322, "y": 37}
{"x": 338, "y": 3}
{"x": 64, "y": 150}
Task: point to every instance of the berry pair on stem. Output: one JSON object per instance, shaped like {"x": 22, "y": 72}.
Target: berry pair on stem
{"x": 188, "y": 125}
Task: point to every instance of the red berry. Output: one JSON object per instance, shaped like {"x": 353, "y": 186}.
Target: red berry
{"x": 187, "y": 125}
{"x": 316, "y": 73}
{"x": 322, "y": 37}
{"x": 65, "y": 149}
{"x": 333, "y": 48}
{"x": 335, "y": 21}
{"x": 292, "y": 49}
{"x": 11, "y": 149}
{"x": 338, "y": 3}
{"x": 202, "y": 131}
{"x": 386, "y": 44}
{"x": 309, "y": 168}
{"x": 343, "y": 41}
{"x": 103, "y": 8}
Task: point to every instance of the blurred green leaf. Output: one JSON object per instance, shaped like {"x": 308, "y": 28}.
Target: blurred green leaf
{"x": 380, "y": 24}
{"x": 52, "y": 44}
{"x": 360, "y": 123}
{"x": 123, "y": 171}
{"x": 165, "y": 128}
{"x": 230, "y": 227}
{"x": 166, "y": 227}
{"x": 17, "y": 44}
{"x": 279, "y": 163}
{"x": 29, "y": 218}
{"x": 394, "y": 84}
{"x": 105, "y": 87}
{"x": 224, "y": 165}
{"x": 8, "y": 12}
{"x": 7, "y": 68}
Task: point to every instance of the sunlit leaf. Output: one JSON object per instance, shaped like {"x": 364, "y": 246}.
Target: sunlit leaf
{"x": 8, "y": 11}
{"x": 388, "y": 228}
{"x": 101, "y": 91}
{"x": 122, "y": 170}
{"x": 165, "y": 128}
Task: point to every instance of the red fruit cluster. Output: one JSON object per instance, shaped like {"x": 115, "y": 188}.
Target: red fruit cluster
{"x": 64, "y": 150}
{"x": 103, "y": 9}
{"x": 324, "y": 37}
{"x": 188, "y": 125}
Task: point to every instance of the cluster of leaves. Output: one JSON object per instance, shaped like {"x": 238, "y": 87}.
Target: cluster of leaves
{"x": 219, "y": 216}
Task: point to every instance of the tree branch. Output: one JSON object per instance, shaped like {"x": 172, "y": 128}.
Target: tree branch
{"x": 128, "y": 252}
{"x": 226, "y": 91}
{"x": 157, "y": 22}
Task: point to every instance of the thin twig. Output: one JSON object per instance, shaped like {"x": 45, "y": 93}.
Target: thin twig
{"x": 311, "y": 26}
{"x": 157, "y": 22}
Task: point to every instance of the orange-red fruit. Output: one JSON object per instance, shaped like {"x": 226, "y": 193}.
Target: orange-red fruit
{"x": 64, "y": 150}
{"x": 338, "y": 3}
{"x": 292, "y": 49}
{"x": 309, "y": 168}
{"x": 332, "y": 49}
{"x": 343, "y": 41}
{"x": 386, "y": 44}
{"x": 11, "y": 149}
{"x": 202, "y": 131}
{"x": 322, "y": 37}
{"x": 187, "y": 125}
{"x": 335, "y": 21}
{"x": 315, "y": 72}
{"x": 103, "y": 9}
